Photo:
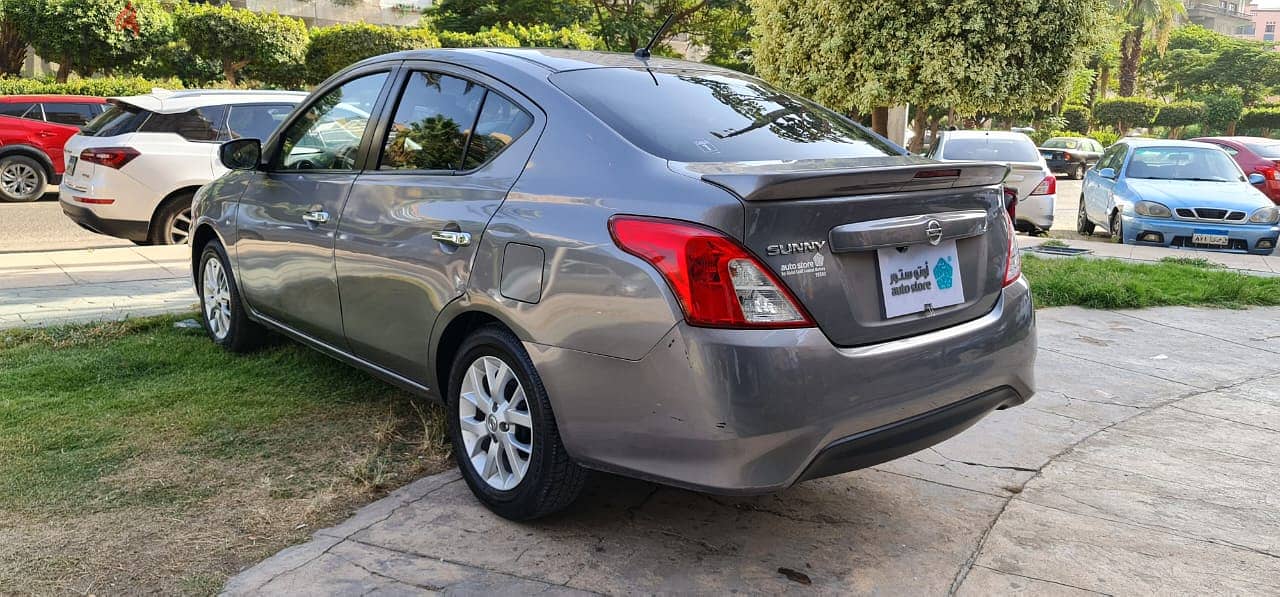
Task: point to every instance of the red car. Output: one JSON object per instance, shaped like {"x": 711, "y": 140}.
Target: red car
{"x": 1254, "y": 154}
{"x": 33, "y": 129}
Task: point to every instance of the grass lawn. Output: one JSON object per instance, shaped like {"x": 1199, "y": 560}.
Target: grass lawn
{"x": 1113, "y": 284}
{"x": 138, "y": 457}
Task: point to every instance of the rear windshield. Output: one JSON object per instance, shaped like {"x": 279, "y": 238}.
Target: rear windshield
{"x": 1270, "y": 151}
{"x": 1061, "y": 143}
{"x": 117, "y": 120}
{"x": 993, "y": 149}
{"x": 697, "y": 116}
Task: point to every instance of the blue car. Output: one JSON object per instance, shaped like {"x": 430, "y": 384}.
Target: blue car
{"x": 1185, "y": 194}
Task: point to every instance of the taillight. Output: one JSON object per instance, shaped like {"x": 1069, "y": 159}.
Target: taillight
{"x": 1013, "y": 258}
{"x": 111, "y": 157}
{"x": 1048, "y": 186}
{"x": 1066, "y": 156}
{"x": 1011, "y": 202}
{"x": 1270, "y": 173}
{"x": 718, "y": 282}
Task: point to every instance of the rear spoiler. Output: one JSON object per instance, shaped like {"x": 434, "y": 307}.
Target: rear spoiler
{"x": 791, "y": 184}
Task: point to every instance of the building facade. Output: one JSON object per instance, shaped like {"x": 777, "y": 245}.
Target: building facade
{"x": 1227, "y": 17}
{"x": 1262, "y": 23}
{"x": 319, "y": 13}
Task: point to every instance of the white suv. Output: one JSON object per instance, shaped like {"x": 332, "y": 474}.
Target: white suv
{"x": 131, "y": 172}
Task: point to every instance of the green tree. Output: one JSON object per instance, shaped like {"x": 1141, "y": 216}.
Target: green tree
{"x": 1222, "y": 110}
{"x": 14, "y": 37}
{"x": 625, "y": 25}
{"x": 1264, "y": 119}
{"x": 542, "y": 35}
{"x": 724, "y": 28}
{"x": 1178, "y": 115}
{"x": 83, "y": 35}
{"x": 1126, "y": 112}
{"x": 858, "y": 56}
{"x": 483, "y": 39}
{"x": 1144, "y": 20}
{"x": 1200, "y": 61}
{"x": 471, "y": 16}
{"x": 1077, "y": 118}
{"x": 335, "y": 47}
{"x": 237, "y": 38}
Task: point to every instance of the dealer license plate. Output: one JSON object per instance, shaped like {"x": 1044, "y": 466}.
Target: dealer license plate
{"x": 919, "y": 278}
{"x": 71, "y": 165}
{"x": 1217, "y": 238}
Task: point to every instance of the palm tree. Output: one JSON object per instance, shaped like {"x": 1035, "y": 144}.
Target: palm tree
{"x": 1144, "y": 19}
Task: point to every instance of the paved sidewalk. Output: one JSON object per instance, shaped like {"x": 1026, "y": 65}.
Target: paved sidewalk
{"x": 1252, "y": 264}
{"x": 1147, "y": 464}
{"x": 59, "y": 287}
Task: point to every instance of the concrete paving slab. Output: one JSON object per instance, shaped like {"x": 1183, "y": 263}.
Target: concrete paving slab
{"x": 1235, "y": 326}
{"x": 985, "y": 582}
{"x": 33, "y": 277}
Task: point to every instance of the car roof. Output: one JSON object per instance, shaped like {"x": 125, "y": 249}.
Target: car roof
{"x": 164, "y": 101}
{"x": 53, "y": 99}
{"x": 987, "y": 135}
{"x": 1145, "y": 142}
{"x": 1242, "y": 139}
{"x": 548, "y": 60}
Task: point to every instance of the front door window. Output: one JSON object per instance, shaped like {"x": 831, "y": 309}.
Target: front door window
{"x": 327, "y": 136}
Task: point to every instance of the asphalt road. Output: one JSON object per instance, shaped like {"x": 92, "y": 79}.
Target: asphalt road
{"x": 40, "y": 226}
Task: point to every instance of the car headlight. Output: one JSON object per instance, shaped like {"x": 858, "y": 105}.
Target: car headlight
{"x": 1266, "y": 215}
{"x": 1151, "y": 209}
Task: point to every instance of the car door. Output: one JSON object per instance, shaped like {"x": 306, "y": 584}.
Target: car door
{"x": 1098, "y": 189}
{"x": 289, "y": 212}
{"x": 454, "y": 145}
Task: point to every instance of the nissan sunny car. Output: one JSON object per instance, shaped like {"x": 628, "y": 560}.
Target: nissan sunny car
{"x": 650, "y": 267}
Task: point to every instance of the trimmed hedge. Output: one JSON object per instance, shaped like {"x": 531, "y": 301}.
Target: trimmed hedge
{"x": 103, "y": 86}
{"x": 1077, "y": 117}
{"x": 333, "y": 48}
{"x": 545, "y": 36}
{"x": 1261, "y": 118}
{"x": 481, "y": 39}
{"x": 1126, "y": 112}
{"x": 1180, "y": 114}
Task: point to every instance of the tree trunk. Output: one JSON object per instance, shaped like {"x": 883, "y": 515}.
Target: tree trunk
{"x": 917, "y": 127}
{"x": 229, "y": 71}
{"x": 880, "y": 121}
{"x": 933, "y": 131}
{"x": 64, "y": 70}
{"x": 1104, "y": 82}
{"x": 13, "y": 49}
{"x": 1231, "y": 128}
{"x": 1130, "y": 59}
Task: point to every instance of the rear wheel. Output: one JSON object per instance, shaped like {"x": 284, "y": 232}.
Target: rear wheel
{"x": 21, "y": 179}
{"x": 1083, "y": 225}
{"x": 172, "y": 222}
{"x": 1077, "y": 172}
{"x": 503, "y": 432}
{"x": 221, "y": 308}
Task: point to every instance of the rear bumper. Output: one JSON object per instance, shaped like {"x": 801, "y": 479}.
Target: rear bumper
{"x": 1037, "y": 210}
{"x": 740, "y": 412}
{"x": 1062, "y": 165}
{"x": 1174, "y": 233}
{"x": 126, "y": 229}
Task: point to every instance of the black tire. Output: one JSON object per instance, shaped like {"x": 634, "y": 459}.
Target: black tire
{"x": 1083, "y": 225}
{"x": 22, "y": 179}
{"x": 171, "y": 224}
{"x": 1117, "y": 228}
{"x": 242, "y": 334}
{"x": 552, "y": 480}
{"x": 1077, "y": 172}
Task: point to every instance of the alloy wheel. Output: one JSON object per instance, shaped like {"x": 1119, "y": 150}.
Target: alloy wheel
{"x": 497, "y": 429}
{"x": 19, "y": 179}
{"x": 217, "y": 299}
{"x": 180, "y": 228}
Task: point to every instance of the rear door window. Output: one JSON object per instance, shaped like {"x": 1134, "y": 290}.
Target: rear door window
{"x": 20, "y": 110}
{"x": 701, "y": 116}
{"x": 433, "y": 121}
{"x": 501, "y": 122}
{"x": 205, "y": 124}
{"x": 74, "y": 114}
{"x": 1270, "y": 151}
{"x": 118, "y": 119}
{"x": 255, "y": 121}
{"x": 996, "y": 149}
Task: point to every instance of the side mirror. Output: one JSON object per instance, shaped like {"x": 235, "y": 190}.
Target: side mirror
{"x": 1257, "y": 179}
{"x": 241, "y": 154}
{"x": 1107, "y": 173}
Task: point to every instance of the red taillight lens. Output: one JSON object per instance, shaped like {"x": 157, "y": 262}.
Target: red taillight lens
{"x": 1048, "y": 186}
{"x": 719, "y": 284}
{"x": 1066, "y": 156}
{"x": 1013, "y": 259}
{"x": 1011, "y": 202}
{"x": 111, "y": 157}
{"x": 1270, "y": 173}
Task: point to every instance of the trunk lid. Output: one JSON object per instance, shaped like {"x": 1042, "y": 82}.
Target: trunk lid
{"x": 839, "y": 232}
{"x": 1025, "y": 178}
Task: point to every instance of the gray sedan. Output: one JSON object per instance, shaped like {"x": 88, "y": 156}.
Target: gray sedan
{"x": 650, "y": 267}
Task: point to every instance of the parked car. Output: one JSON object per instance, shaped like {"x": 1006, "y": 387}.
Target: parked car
{"x": 33, "y": 129}
{"x": 1071, "y": 155}
{"x": 1036, "y": 186}
{"x": 132, "y": 171}
{"x": 688, "y": 303}
{"x": 1256, "y": 155}
{"x": 1178, "y": 194}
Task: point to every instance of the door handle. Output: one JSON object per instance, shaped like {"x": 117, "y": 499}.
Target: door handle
{"x": 457, "y": 239}
{"x": 316, "y": 217}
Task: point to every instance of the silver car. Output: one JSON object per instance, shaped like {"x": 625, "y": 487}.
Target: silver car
{"x": 1029, "y": 175}
{"x": 649, "y": 267}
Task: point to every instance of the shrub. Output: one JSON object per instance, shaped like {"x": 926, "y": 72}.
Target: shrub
{"x": 238, "y": 38}
{"x": 482, "y": 39}
{"x": 1105, "y": 136}
{"x": 1266, "y": 119}
{"x": 1222, "y": 110}
{"x": 333, "y": 48}
{"x": 542, "y": 35}
{"x": 104, "y": 86}
{"x": 1178, "y": 115}
{"x": 1042, "y": 135}
{"x": 1077, "y": 117}
{"x": 1126, "y": 112}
